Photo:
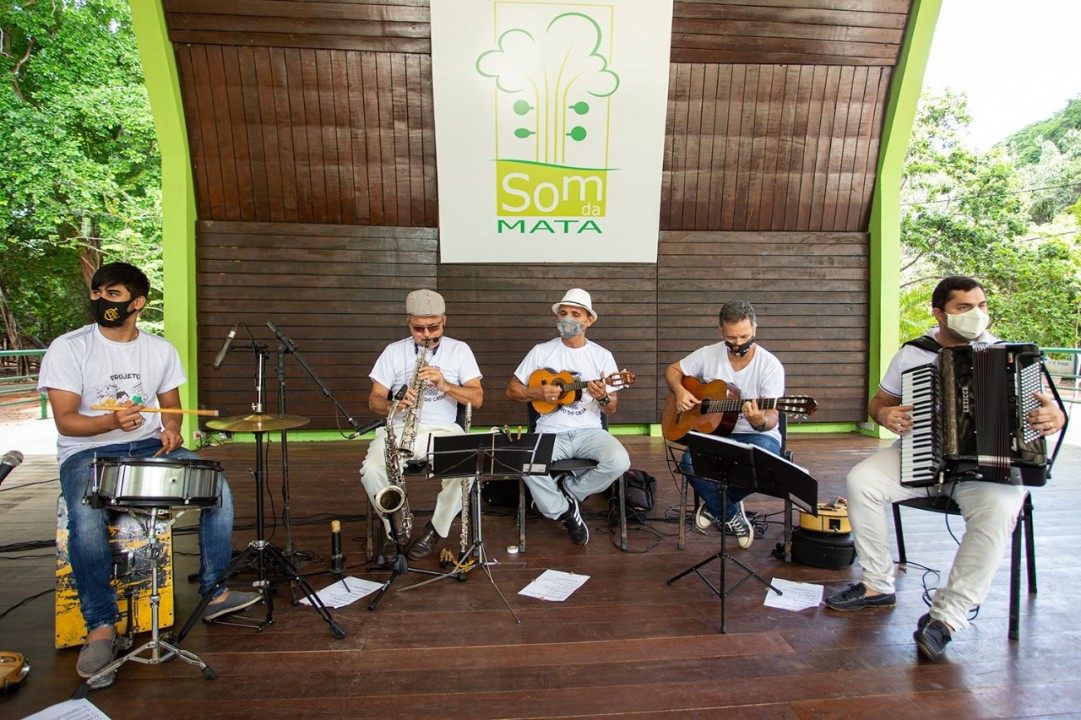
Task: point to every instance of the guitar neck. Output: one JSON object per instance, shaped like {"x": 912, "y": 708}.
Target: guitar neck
{"x": 730, "y": 405}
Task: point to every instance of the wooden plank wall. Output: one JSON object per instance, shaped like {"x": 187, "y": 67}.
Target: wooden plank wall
{"x": 311, "y": 133}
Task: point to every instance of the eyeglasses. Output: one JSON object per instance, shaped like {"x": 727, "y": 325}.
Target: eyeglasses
{"x": 430, "y": 328}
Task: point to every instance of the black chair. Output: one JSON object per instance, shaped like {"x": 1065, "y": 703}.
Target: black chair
{"x": 946, "y": 506}
{"x": 675, "y": 453}
{"x": 562, "y": 468}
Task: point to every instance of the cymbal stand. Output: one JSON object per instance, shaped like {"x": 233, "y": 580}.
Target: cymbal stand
{"x": 155, "y": 645}
{"x": 265, "y": 553}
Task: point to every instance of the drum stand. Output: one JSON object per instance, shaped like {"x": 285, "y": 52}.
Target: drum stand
{"x": 156, "y": 644}
{"x": 265, "y": 553}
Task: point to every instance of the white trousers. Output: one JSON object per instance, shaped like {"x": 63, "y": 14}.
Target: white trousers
{"x": 373, "y": 473}
{"x": 990, "y": 512}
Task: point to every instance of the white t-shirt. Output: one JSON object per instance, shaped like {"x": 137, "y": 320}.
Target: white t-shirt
{"x": 910, "y": 356}
{"x": 763, "y": 377}
{"x": 394, "y": 368}
{"x": 103, "y": 372}
{"x": 589, "y": 362}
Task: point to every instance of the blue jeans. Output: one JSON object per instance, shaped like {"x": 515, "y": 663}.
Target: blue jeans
{"x": 710, "y": 492}
{"x": 88, "y": 532}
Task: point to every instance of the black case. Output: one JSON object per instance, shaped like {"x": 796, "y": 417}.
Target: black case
{"x": 833, "y": 551}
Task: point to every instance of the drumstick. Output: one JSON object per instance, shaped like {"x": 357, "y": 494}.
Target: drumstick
{"x": 159, "y": 452}
{"x": 166, "y": 411}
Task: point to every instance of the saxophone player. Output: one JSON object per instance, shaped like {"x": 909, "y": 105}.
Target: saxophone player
{"x": 448, "y": 376}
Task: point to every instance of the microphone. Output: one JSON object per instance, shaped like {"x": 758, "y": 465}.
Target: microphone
{"x": 366, "y": 429}
{"x": 289, "y": 345}
{"x": 337, "y": 560}
{"x": 9, "y": 462}
{"x": 225, "y": 348}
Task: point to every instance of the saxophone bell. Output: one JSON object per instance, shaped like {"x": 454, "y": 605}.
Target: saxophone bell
{"x": 391, "y": 503}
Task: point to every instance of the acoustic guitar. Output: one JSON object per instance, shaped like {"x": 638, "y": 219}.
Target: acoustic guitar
{"x": 571, "y": 389}
{"x": 720, "y": 408}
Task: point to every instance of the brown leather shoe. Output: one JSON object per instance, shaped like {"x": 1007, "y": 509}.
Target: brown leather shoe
{"x": 422, "y": 547}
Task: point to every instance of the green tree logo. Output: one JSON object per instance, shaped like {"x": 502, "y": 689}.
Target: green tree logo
{"x": 552, "y": 82}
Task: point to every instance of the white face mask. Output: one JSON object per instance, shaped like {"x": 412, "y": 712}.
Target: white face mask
{"x": 970, "y": 324}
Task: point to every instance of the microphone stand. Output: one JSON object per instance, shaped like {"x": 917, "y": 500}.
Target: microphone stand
{"x": 283, "y": 350}
{"x": 291, "y": 348}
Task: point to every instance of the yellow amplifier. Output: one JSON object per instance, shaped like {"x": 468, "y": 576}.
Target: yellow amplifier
{"x": 131, "y": 567}
{"x": 832, "y": 518}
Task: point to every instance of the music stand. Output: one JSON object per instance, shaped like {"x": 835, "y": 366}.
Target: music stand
{"x": 734, "y": 464}
{"x": 489, "y": 456}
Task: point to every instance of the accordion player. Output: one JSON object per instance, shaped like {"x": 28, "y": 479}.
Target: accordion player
{"x": 969, "y": 417}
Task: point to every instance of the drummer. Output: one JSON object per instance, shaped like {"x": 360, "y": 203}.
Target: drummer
{"x": 111, "y": 362}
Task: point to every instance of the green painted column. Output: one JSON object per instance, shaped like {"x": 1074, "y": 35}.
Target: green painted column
{"x": 178, "y": 191}
{"x": 885, "y": 226}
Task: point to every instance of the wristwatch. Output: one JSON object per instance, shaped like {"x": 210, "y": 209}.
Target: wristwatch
{"x": 759, "y": 428}
{"x": 603, "y": 402}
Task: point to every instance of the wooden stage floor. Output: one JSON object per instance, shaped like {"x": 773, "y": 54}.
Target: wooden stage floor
{"x": 625, "y": 645}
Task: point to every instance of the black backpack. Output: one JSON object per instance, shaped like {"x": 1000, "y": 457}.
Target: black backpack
{"x": 640, "y": 488}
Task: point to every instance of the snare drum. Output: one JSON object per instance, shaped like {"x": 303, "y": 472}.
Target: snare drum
{"x": 154, "y": 482}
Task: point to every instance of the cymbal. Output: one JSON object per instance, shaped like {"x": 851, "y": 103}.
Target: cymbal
{"x": 257, "y": 423}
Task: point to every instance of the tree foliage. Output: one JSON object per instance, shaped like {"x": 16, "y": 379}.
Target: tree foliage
{"x": 81, "y": 177}
{"x": 966, "y": 213}
{"x": 1027, "y": 144}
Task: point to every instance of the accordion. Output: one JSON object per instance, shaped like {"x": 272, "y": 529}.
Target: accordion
{"x": 969, "y": 417}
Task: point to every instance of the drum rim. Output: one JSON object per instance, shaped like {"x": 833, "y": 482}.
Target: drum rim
{"x": 160, "y": 461}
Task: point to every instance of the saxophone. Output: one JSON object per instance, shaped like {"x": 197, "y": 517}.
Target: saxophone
{"x": 391, "y": 502}
{"x": 412, "y": 415}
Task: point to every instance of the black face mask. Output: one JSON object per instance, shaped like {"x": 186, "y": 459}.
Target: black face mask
{"x": 739, "y": 350}
{"x": 111, "y": 314}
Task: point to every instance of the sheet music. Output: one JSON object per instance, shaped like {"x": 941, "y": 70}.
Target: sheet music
{"x": 70, "y": 710}
{"x": 795, "y": 596}
{"x": 344, "y": 592}
{"x": 554, "y": 585}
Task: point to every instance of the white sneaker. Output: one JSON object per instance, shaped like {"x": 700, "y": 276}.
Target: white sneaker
{"x": 739, "y": 526}
{"x": 703, "y": 518}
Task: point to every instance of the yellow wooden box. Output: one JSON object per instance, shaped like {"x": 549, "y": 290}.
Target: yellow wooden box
{"x": 132, "y": 557}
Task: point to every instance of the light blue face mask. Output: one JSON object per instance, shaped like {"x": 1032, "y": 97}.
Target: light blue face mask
{"x": 569, "y": 327}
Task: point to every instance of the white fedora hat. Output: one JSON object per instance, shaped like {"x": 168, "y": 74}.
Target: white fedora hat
{"x": 579, "y": 297}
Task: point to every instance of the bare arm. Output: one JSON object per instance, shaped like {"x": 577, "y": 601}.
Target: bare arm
{"x": 468, "y": 392}
{"x": 887, "y": 411}
{"x": 379, "y": 401}
{"x": 70, "y": 422}
{"x": 521, "y": 393}
{"x": 685, "y": 400}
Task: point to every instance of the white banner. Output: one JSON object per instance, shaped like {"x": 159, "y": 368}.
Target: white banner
{"x": 549, "y": 127}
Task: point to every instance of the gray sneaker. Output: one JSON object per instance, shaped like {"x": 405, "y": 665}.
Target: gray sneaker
{"x": 233, "y": 602}
{"x": 96, "y": 655}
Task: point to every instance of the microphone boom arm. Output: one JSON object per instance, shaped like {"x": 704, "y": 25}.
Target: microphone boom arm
{"x": 288, "y": 346}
